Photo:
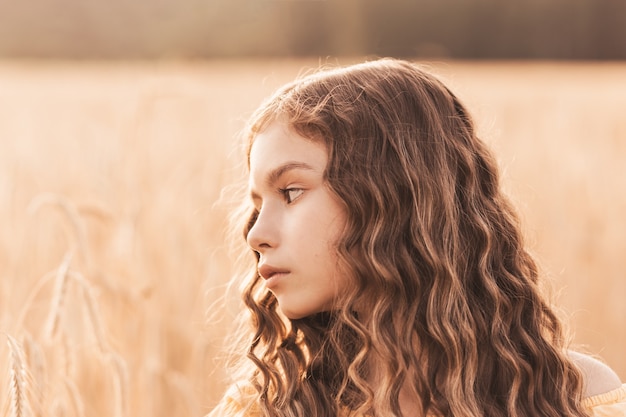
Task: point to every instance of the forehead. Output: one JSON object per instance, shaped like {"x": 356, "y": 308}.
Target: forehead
{"x": 277, "y": 145}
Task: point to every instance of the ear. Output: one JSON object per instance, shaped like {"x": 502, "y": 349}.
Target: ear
{"x": 598, "y": 377}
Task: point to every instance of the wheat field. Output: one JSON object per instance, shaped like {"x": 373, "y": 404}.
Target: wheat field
{"x": 114, "y": 203}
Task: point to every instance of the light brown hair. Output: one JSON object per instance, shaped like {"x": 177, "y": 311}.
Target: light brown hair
{"x": 435, "y": 252}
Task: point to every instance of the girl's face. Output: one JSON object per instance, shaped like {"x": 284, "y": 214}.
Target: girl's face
{"x": 299, "y": 221}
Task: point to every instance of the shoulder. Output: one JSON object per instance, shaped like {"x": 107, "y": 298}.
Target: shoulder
{"x": 240, "y": 400}
{"x": 599, "y": 378}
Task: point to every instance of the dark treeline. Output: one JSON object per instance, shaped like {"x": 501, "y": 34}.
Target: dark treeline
{"x": 473, "y": 29}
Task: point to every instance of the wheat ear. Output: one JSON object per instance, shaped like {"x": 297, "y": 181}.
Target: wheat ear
{"x": 37, "y": 365}
{"x": 18, "y": 378}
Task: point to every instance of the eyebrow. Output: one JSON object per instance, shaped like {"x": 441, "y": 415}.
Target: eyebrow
{"x": 278, "y": 172}
{"x": 275, "y": 174}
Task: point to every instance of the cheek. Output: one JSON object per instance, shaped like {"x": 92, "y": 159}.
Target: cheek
{"x": 326, "y": 228}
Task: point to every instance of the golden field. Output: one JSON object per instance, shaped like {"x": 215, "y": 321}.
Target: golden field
{"x": 113, "y": 210}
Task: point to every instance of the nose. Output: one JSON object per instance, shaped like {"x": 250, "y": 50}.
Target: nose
{"x": 263, "y": 233}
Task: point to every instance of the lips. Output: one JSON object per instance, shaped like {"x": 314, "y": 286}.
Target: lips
{"x": 269, "y": 271}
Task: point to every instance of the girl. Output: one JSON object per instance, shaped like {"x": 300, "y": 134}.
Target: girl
{"x": 391, "y": 277}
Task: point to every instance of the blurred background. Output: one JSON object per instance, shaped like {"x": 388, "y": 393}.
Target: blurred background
{"x": 119, "y": 149}
{"x": 469, "y": 29}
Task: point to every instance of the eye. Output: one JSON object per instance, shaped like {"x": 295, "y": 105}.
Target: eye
{"x": 291, "y": 194}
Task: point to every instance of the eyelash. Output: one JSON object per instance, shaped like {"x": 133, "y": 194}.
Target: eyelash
{"x": 286, "y": 192}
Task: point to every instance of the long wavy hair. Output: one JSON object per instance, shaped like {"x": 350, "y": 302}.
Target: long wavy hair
{"x": 453, "y": 311}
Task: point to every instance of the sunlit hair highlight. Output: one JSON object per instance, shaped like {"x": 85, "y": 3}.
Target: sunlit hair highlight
{"x": 445, "y": 296}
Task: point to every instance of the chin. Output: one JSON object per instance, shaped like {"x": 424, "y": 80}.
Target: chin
{"x": 294, "y": 315}
{"x": 300, "y": 314}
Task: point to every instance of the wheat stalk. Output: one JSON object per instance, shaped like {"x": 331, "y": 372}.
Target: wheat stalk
{"x": 77, "y": 402}
{"x": 31, "y": 298}
{"x": 91, "y": 307}
{"x": 71, "y": 212}
{"x": 58, "y": 297}
{"x": 180, "y": 383}
{"x": 120, "y": 384}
